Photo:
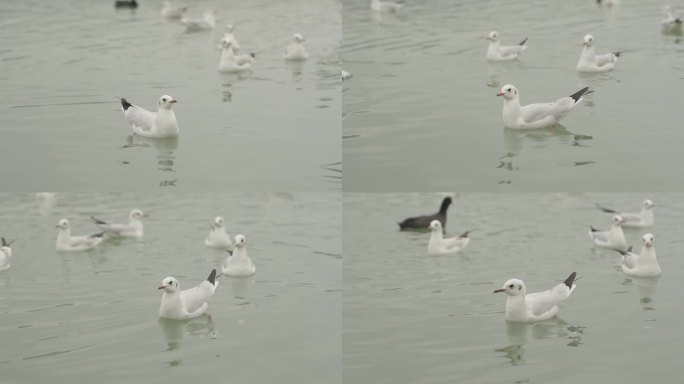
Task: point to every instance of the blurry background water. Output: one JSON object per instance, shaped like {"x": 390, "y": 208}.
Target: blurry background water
{"x": 410, "y": 318}
{"x": 92, "y": 316}
{"x": 63, "y": 65}
{"x": 420, "y": 112}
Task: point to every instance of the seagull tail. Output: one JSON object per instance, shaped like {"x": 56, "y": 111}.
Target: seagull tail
{"x": 125, "y": 104}
{"x": 592, "y": 229}
{"x": 607, "y": 210}
{"x": 617, "y": 54}
{"x": 97, "y": 221}
{"x": 523, "y": 42}
{"x": 212, "y": 277}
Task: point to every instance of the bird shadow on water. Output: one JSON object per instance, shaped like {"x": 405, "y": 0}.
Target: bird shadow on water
{"x": 166, "y": 156}
{"x": 646, "y": 289}
{"x": 175, "y": 331}
{"x": 520, "y": 333}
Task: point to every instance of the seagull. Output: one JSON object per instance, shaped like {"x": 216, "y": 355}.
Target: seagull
{"x": 538, "y": 306}
{"x": 238, "y": 264}
{"x": 644, "y": 264}
{"x": 591, "y": 62}
{"x": 389, "y": 6}
{"x": 612, "y": 238}
{"x": 346, "y": 75}
{"x": 207, "y": 22}
{"x": 218, "y": 237}
{"x": 229, "y": 37}
{"x": 535, "y": 116}
{"x": 230, "y": 62}
{"x": 134, "y": 228}
{"x": 6, "y": 254}
{"x": 189, "y": 303}
{"x": 170, "y": 12}
{"x": 158, "y": 124}
{"x": 438, "y": 245}
{"x": 423, "y": 222}
{"x": 296, "y": 51}
{"x": 125, "y": 4}
{"x": 498, "y": 52}
{"x": 671, "y": 23}
{"x": 66, "y": 242}
{"x": 645, "y": 217}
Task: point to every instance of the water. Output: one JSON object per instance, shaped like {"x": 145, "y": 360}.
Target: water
{"x": 92, "y": 316}
{"x": 63, "y": 64}
{"x": 420, "y": 112}
{"x": 410, "y": 318}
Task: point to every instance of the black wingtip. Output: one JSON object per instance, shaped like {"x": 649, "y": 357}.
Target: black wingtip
{"x": 577, "y": 95}
{"x": 101, "y": 234}
{"x": 253, "y": 54}
{"x": 229, "y": 252}
{"x": 629, "y": 249}
{"x": 617, "y": 54}
{"x": 125, "y": 104}
{"x": 607, "y": 210}
{"x": 97, "y": 221}
{"x": 4, "y": 242}
{"x": 593, "y": 229}
{"x": 523, "y": 42}
{"x": 465, "y": 234}
{"x": 212, "y": 276}
{"x": 570, "y": 280}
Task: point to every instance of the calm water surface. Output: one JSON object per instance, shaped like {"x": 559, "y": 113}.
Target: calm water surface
{"x": 92, "y": 316}
{"x": 410, "y": 318}
{"x": 63, "y": 64}
{"x": 420, "y": 112}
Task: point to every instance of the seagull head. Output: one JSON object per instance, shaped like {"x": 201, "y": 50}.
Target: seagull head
{"x": 435, "y": 226}
{"x": 298, "y": 37}
{"x": 588, "y": 40}
{"x": 218, "y": 222}
{"x": 240, "y": 241}
{"x": 169, "y": 285}
{"x": 512, "y": 287}
{"x": 493, "y": 36}
{"x": 647, "y": 204}
{"x": 166, "y": 102}
{"x": 617, "y": 221}
{"x": 137, "y": 214}
{"x": 508, "y": 91}
{"x": 229, "y": 27}
{"x": 63, "y": 224}
{"x": 648, "y": 240}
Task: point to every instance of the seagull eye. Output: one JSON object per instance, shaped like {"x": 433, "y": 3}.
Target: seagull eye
{"x": 510, "y": 286}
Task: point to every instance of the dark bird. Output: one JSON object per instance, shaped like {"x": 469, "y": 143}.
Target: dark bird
{"x": 423, "y": 222}
{"x": 126, "y": 4}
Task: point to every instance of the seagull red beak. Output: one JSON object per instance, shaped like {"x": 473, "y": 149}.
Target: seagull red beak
{"x": 500, "y": 290}
{"x": 162, "y": 287}
{"x": 500, "y": 94}
{"x": 173, "y": 101}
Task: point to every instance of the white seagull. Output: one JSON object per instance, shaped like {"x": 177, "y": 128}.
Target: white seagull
{"x": 66, "y": 242}
{"x": 238, "y": 264}
{"x": 346, "y": 75}
{"x": 189, "y": 303}
{"x": 389, "y": 6}
{"x": 170, "y": 12}
{"x": 134, "y": 228}
{"x": 589, "y": 61}
{"x": 160, "y": 124}
{"x": 218, "y": 237}
{"x": 229, "y": 37}
{"x": 671, "y": 22}
{"x": 612, "y": 238}
{"x": 232, "y": 63}
{"x": 535, "y": 116}
{"x": 207, "y": 22}
{"x": 645, "y": 217}
{"x": 438, "y": 245}
{"x": 296, "y": 51}
{"x": 538, "y": 306}
{"x": 498, "y": 52}
{"x": 6, "y": 254}
{"x": 644, "y": 264}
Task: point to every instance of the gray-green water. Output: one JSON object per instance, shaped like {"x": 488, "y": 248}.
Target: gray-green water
{"x": 410, "y": 318}
{"x": 420, "y": 113}
{"x": 62, "y": 65}
{"x": 92, "y": 316}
